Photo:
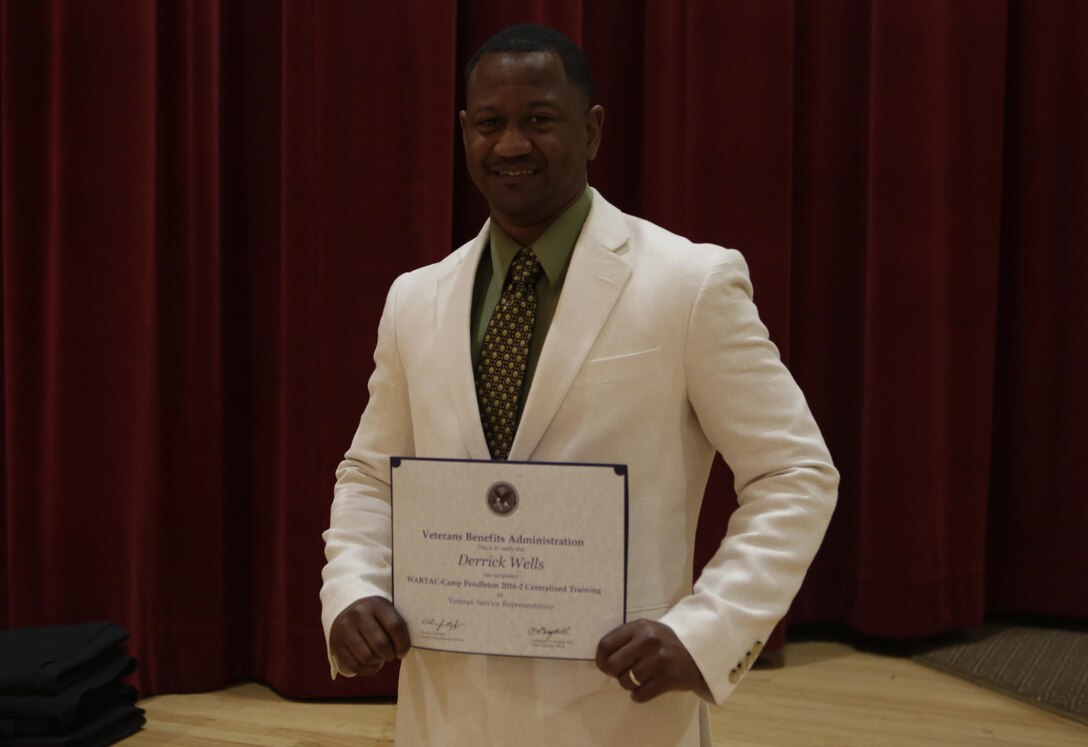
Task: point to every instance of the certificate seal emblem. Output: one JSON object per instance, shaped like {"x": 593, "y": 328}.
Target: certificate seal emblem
{"x": 502, "y": 499}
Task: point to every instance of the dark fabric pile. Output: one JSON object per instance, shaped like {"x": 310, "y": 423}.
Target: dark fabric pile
{"x": 61, "y": 686}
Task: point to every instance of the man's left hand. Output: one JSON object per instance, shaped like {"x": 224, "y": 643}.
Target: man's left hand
{"x": 654, "y": 655}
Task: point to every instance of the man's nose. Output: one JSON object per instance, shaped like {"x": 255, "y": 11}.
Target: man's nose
{"x": 512, "y": 143}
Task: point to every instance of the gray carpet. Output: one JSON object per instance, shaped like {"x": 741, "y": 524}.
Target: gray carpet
{"x": 1047, "y": 667}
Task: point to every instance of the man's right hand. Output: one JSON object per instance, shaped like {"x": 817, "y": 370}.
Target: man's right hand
{"x": 366, "y": 635}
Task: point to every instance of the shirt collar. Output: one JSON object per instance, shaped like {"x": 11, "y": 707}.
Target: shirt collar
{"x": 554, "y": 246}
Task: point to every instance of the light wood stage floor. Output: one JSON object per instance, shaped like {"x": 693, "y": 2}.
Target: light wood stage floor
{"x": 825, "y": 694}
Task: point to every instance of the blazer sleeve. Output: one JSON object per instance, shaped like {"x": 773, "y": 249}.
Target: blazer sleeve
{"x": 358, "y": 542}
{"x": 755, "y": 415}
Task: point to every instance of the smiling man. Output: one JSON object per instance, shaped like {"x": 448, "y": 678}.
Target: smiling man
{"x": 529, "y": 133}
{"x": 620, "y": 343}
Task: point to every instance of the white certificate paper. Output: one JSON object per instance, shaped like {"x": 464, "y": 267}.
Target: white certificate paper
{"x": 509, "y": 558}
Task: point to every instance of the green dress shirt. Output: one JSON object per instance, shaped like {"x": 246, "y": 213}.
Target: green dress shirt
{"x": 553, "y": 249}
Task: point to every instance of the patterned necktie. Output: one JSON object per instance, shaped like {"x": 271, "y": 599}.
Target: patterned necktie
{"x": 500, "y": 371}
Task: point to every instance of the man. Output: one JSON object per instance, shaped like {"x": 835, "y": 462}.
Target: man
{"x": 646, "y": 350}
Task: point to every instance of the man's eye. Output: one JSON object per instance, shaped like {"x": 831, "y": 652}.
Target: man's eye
{"x": 541, "y": 119}
{"x": 487, "y": 124}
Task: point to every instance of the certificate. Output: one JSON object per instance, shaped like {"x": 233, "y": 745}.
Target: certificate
{"x": 509, "y": 558}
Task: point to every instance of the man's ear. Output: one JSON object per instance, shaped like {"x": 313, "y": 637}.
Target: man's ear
{"x": 594, "y": 124}
{"x": 464, "y": 133}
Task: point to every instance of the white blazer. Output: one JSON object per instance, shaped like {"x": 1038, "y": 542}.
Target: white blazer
{"x": 656, "y": 358}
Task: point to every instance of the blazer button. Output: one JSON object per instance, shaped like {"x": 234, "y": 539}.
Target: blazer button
{"x": 734, "y": 677}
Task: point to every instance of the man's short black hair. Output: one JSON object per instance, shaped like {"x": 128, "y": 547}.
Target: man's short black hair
{"x": 532, "y": 37}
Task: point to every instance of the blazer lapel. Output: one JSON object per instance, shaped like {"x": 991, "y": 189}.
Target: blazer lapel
{"x": 595, "y": 279}
{"x": 453, "y": 307}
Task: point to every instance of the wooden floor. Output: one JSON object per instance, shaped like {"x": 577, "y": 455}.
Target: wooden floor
{"x": 825, "y": 694}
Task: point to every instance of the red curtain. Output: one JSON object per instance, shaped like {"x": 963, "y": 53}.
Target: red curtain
{"x": 204, "y": 203}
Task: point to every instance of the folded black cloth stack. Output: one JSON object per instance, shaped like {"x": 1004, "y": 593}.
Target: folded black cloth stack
{"x": 61, "y": 686}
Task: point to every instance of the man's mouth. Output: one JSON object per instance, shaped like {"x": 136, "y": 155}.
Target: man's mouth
{"x": 522, "y": 171}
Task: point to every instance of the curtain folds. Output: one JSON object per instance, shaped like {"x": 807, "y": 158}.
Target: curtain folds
{"x": 204, "y": 203}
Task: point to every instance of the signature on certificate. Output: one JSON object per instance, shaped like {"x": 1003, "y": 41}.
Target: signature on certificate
{"x": 547, "y": 633}
{"x": 440, "y": 626}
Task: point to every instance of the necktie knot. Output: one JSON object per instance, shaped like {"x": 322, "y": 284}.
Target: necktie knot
{"x": 525, "y": 269}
